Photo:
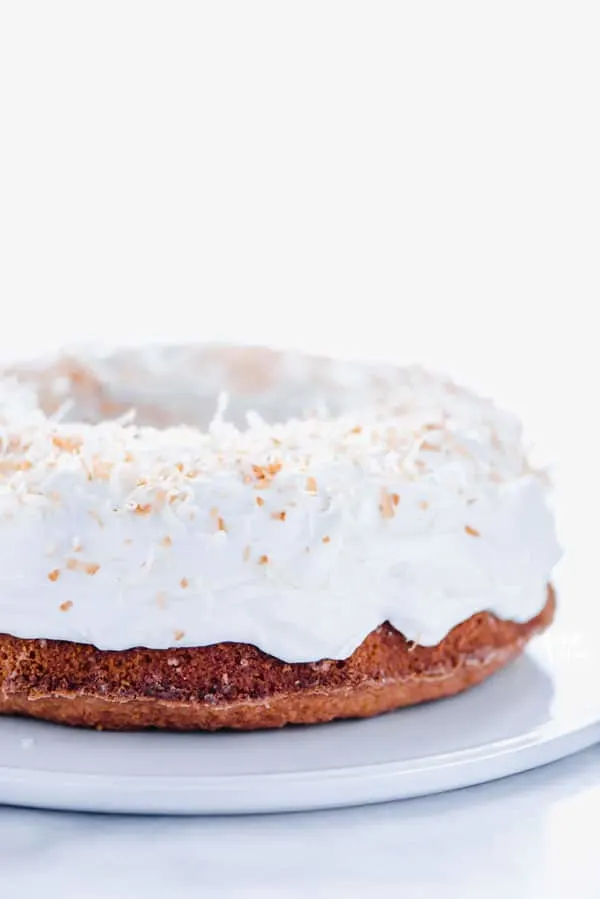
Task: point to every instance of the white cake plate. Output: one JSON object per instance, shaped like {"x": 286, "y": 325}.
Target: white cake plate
{"x": 543, "y": 707}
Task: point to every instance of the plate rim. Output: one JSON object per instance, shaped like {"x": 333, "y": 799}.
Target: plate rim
{"x": 162, "y": 794}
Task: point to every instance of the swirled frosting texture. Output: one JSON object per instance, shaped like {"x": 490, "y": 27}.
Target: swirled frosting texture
{"x": 390, "y": 495}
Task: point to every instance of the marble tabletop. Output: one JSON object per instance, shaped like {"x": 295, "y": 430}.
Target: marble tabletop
{"x": 532, "y": 836}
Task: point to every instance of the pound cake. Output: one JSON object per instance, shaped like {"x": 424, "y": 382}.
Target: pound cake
{"x": 201, "y": 537}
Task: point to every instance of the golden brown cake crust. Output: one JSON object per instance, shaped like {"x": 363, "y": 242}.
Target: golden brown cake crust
{"x": 235, "y": 685}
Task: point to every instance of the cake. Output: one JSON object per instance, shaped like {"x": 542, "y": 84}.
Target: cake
{"x": 200, "y": 537}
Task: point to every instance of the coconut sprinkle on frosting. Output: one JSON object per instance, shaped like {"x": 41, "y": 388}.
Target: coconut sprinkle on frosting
{"x": 299, "y": 504}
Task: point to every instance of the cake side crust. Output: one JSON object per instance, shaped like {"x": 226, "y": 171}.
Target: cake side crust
{"x": 233, "y": 685}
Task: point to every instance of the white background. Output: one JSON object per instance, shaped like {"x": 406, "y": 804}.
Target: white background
{"x": 414, "y": 180}
{"x": 418, "y": 181}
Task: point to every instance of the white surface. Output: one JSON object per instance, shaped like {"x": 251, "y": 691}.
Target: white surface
{"x": 532, "y": 836}
{"x": 413, "y": 181}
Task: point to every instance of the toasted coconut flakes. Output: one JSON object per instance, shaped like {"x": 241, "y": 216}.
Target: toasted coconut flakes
{"x": 279, "y": 516}
{"x": 264, "y": 474}
{"x": 68, "y": 444}
{"x": 9, "y": 465}
{"x": 395, "y": 498}
{"x": 430, "y": 447}
{"x": 218, "y": 519}
{"x": 161, "y": 600}
{"x": 311, "y": 486}
{"x": 160, "y": 498}
{"x": 260, "y": 501}
{"x": 54, "y": 575}
{"x": 143, "y": 508}
{"x": 423, "y": 504}
{"x": 246, "y": 553}
{"x": 65, "y": 606}
{"x": 386, "y": 504}
{"x": 473, "y": 532}
{"x": 179, "y": 466}
{"x": 101, "y": 470}
{"x": 93, "y": 514}
{"x": 184, "y": 583}
{"x": 263, "y": 560}
{"x": 78, "y": 565}
{"x": 166, "y": 541}
{"x": 179, "y": 635}
{"x": 326, "y": 540}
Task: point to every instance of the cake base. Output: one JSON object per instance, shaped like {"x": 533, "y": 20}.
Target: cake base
{"x": 234, "y": 685}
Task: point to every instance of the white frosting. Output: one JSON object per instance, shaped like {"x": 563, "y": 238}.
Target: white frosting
{"x": 401, "y": 498}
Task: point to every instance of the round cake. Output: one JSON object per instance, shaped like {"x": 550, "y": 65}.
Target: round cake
{"x": 205, "y": 537}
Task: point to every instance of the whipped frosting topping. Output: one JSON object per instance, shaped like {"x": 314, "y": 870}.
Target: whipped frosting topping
{"x": 299, "y": 503}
